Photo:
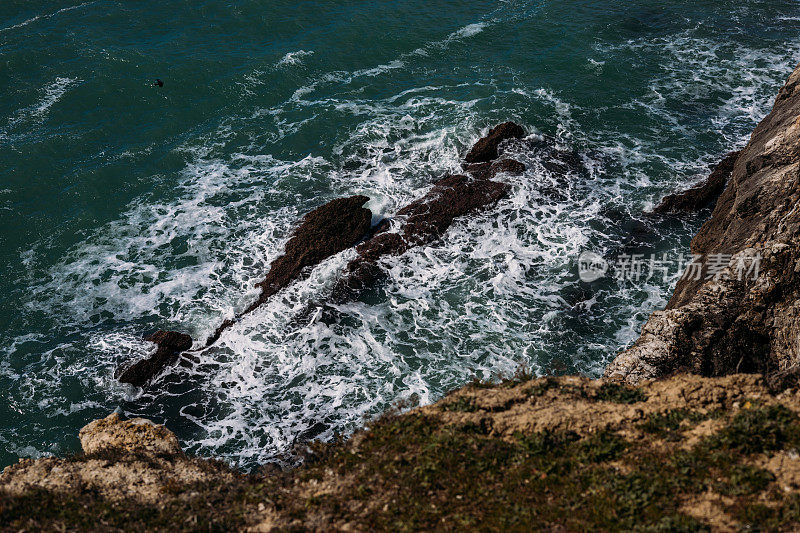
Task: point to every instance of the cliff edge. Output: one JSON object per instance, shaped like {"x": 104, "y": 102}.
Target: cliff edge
{"x": 737, "y": 309}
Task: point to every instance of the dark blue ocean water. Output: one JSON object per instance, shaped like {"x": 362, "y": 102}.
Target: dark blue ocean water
{"x": 125, "y": 207}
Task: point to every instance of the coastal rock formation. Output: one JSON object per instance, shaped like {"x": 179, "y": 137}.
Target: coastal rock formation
{"x": 703, "y": 194}
{"x": 325, "y": 231}
{"x": 342, "y": 223}
{"x": 136, "y": 435}
{"x": 490, "y": 169}
{"x": 169, "y": 346}
{"x": 739, "y": 311}
{"x": 486, "y": 149}
{"x": 423, "y": 221}
{"x": 426, "y": 219}
{"x": 132, "y": 461}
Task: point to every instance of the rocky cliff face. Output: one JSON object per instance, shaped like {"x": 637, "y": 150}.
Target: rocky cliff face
{"x": 740, "y": 312}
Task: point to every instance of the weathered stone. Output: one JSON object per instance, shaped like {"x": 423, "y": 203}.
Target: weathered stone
{"x": 135, "y": 435}
{"x": 702, "y": 195}
{"x": 325, "y": 231}
{"x": 490, "y": 169}
{"x": 420, "y": 222}
{"x": 745, "y": 319}
{"x": 123, "y": 460}
{"x": 170, "y": 345}
{"x": 486, "y": 148}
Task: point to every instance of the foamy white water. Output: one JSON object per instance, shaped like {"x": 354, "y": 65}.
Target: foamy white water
{"x": 500, "y": 290}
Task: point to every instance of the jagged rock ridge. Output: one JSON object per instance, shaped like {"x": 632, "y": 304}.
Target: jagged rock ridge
{"x": 342, "y": 223}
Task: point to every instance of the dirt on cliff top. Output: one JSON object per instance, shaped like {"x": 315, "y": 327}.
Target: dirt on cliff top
{"x": 560, "y": 454}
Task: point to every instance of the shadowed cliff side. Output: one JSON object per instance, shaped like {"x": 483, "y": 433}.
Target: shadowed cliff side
{"x": 746, "y": 316}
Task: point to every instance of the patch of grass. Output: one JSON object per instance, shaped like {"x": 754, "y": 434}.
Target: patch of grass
{"x": 544, "y": 442}
{"x": 602, "y": 446}
{"x": 211, "y": 507}
{"x": 745, "y": 479}
{"x": 759, "y": 429}
{"x": 413, "y": 472}
{"x": 462, "y": 404}
{"x": 473, "y": 480}
{"x": 677, "y": 523}
{"x": 667, "y": 425}
{"x": 619, "y": 393}
{"x": 522, "y": 374}
{"x": 542, "y": 386}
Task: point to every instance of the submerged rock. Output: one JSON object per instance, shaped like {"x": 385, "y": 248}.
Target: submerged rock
{"x": 702, "y": 195}
{"x": 170, "y": 345}
{"x": 486, "y": 148}
{"x": 421, "y": 222}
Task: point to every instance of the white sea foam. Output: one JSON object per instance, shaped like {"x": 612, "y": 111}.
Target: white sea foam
{"x": 42, "y": 17}
{"x": 293, "y": 58}
{"x": 37, "y": 112}
{"x": 468, "y": 31}
{"x": 493, "y": 294}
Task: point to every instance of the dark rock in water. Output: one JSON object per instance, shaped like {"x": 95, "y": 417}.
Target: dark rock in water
{"x": 489, "y": 170}
{"x": 325, "y": 231}
{"x": 486, "y": 148}
{"x": 423, "y": 221}
{"x": 702, "y": 195}
{"x": 170, "y": 345}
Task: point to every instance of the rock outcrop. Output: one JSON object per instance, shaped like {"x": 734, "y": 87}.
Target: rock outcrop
{"x": 169, "y": 345}
{"x": 486, "y": 149}
{"x": 341, "y": 224}
{"x": 490, "y": 169}
{"x": 135, "y": 435}
{"x": 680, "y": 453}
{"x": 426, "y": 219}
{"x": 739, "y": 311}
{"x": 423, "y": 221}
{"x": 325, "y": 231}
{"x": 702, "y": 195}
{"x": 122, "y": 460}
{"x": 684, "y": 453}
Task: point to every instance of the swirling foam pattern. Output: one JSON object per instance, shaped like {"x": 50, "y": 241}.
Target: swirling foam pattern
{"x": 127, "y": 207}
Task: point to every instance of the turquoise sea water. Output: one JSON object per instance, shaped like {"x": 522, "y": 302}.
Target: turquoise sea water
{"x": 125, "y": 208}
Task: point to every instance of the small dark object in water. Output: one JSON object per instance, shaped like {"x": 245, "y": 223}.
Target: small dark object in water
{"x": 158, "y": 83}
